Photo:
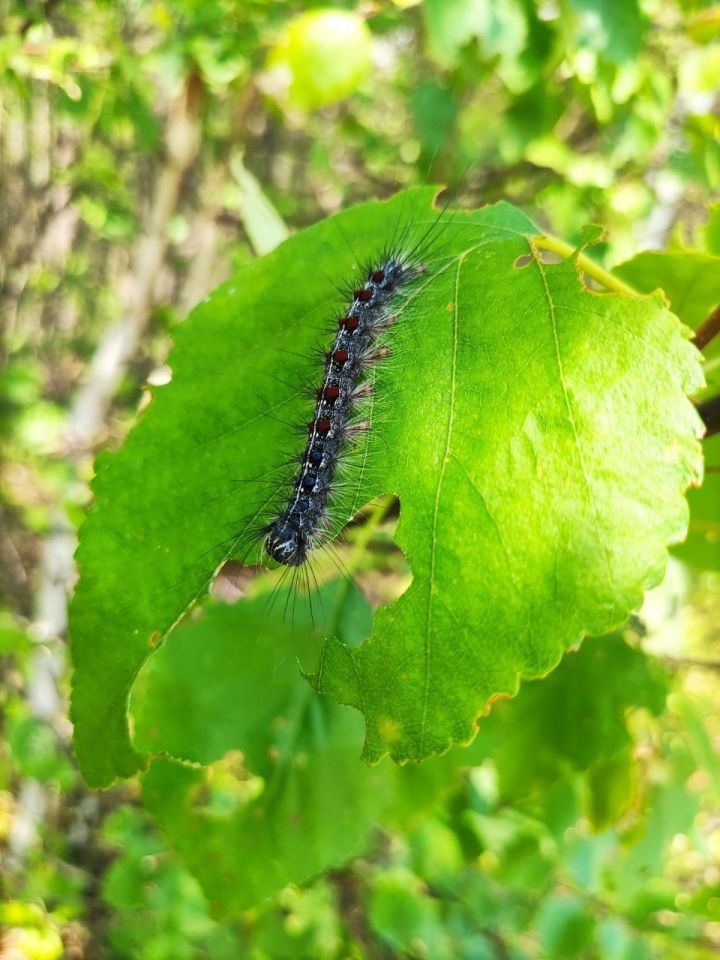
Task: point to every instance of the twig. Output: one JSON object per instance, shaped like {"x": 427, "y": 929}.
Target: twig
{"x": 686, "y": 663}
{"x": 708, "y": 329}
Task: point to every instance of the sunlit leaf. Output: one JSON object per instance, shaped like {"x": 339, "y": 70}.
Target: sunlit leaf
{"x": 537, "y": 434}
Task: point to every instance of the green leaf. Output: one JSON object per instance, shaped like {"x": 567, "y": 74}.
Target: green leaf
{"x": 35, "y": 749}
{"x": 185, "y": 702}
{"x": 449, "y": 26}
{"x": 501, "y": 29}
{"x": 297, "y": 799}
{"x": 434, "y": 111}
{"x": 609, "y": 789}
{"x": 285, "y": 795}
{"x": 689, "y": 278}
{"x": 404, "y": 915}
{"x": 613, "y": 27}
{"x": 537, "y": 434}
{"x": 672, "y": 808}
{"x": 264, "y": 225}
{"x": 691, "y": 282}
{"x": 711, "y": 231}
{"x": 13, "y": 639}
{"x": 698, "y": 739}
{"x": 289, "y": 767}
{"x": 571, "y": 721}
{"x": 321, "y": 57}
{"x": 564, "y": 926}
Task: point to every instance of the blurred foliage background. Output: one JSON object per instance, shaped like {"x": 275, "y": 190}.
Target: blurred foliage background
{"x": 150, "y": 147}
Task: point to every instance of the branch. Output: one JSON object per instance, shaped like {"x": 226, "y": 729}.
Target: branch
{"x": 686, "y": 663}
{"x": 708, "y": 329}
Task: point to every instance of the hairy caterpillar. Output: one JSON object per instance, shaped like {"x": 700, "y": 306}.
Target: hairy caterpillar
{"x": 301, "y": 523}
{"x": 306, "y": 513}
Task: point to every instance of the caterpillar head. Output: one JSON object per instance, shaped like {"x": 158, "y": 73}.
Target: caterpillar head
{"x": 286, "y": 544}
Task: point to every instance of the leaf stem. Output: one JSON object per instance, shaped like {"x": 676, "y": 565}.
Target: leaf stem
{"x": 588, "y": 266}
{"x": 708, "y": 329}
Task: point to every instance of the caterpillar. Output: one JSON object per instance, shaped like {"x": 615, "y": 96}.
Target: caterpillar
{"x": 302, "y": 523}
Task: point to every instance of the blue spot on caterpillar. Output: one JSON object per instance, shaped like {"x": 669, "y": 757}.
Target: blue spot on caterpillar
{"x": 301, "y": 524}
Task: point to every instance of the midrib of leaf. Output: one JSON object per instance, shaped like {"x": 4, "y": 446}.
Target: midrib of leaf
{"x": 438, "y": 493}
{"x": 571, "y": 415}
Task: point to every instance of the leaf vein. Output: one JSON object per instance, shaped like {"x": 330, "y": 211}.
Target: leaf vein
{"x": 438, "y": 492}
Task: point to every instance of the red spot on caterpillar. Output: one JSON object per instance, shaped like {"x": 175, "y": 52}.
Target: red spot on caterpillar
{"x": 378, "y": 276}
{"x": 329, "y": 393}
{"x": 339, "y": 356}
{"x": 363, "y": 294}
{"x": 323, "y": 426}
